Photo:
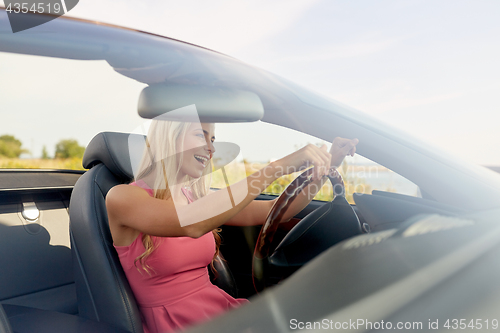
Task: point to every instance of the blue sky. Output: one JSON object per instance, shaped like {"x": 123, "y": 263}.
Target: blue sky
{"x": 427, "y": 67}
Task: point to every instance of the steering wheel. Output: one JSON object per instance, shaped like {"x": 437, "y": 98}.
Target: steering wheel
{"x": 329, "y": 224}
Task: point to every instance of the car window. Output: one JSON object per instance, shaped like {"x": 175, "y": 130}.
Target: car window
{"x": 261, "y": 143}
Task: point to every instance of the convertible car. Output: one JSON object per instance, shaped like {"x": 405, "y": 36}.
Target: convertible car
{"x": 410, "y": 240}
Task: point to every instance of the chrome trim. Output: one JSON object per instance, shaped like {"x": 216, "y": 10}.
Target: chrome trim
{"x": 30, "y": 212}
{"x": 37, "y": 188}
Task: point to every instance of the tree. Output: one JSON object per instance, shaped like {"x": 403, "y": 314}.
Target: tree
{"x": 69, "y": 148}
{"x": 45, "y": 154}
{"x": 11, "y": 147}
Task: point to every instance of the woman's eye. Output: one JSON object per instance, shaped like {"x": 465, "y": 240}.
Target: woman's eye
{"x": 201, "y": 135}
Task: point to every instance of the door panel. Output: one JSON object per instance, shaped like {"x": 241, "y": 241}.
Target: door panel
{"x": 34, "y": 241}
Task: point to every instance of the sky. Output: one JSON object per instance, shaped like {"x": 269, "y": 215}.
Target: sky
{"x": 428, "y": 68}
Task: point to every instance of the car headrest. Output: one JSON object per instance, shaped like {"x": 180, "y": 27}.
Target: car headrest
{"x": 116, "y": 151}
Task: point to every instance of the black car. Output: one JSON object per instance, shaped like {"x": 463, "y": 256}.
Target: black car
{"x": 410, "y": 243}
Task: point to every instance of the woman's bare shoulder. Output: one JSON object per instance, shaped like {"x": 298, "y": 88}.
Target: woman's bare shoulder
{"x": 131, "y": 207}
{"x": 124, "y": 196}
{"x": 119, "y": 201}
{"x": 125, "y": 192}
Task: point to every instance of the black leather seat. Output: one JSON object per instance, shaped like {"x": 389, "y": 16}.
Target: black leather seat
{"x": 103, "y": 292}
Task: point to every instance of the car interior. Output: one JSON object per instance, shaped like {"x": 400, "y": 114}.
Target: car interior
{"x": 61, "y": 272}
{"x": 70, "y": 273}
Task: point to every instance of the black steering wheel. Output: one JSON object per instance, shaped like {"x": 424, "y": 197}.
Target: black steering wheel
{"x": 327, "y": 225}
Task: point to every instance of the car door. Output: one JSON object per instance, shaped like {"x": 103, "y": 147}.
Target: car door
{"x": 34, "y": 239}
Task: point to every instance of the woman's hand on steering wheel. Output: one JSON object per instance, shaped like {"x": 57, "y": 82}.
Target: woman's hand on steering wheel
{"x": 305, "y": 157}
{"x": 318, "y": 156}
{"x": 341, "y": 148}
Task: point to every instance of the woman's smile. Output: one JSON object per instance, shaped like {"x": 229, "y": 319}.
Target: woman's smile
{"x": 202, "y": 159}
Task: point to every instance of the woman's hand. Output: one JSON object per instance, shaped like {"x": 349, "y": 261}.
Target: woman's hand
{"x": 303, "y": 158}
{"x": 319, "y": 157}
{"x": 341, "y": 148}
{"x": 256, "y": 212}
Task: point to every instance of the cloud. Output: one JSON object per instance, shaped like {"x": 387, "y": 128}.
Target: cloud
{"x": 342, "y": 51}
{"x": 407, "y": 102}
{"x": 223, "y": 25}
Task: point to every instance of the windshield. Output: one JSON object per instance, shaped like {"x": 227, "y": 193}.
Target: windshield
{"x": 87, "y": 79}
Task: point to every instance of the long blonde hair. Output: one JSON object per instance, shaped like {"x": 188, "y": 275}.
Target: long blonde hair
{"x": 161, "y": 158}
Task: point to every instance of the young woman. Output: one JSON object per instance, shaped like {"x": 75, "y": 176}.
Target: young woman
{"x": 165, "y": 232}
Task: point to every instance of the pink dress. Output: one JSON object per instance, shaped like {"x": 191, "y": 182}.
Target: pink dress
{"x": 178, "y": 293}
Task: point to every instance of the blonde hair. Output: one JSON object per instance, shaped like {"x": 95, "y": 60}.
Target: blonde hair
{"x": 163, "y": 160}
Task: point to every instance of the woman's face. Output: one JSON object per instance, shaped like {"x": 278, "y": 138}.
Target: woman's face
{"x": 198, "y": 149}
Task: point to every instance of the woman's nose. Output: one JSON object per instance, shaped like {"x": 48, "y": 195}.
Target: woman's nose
{"x": 211, "y": 148}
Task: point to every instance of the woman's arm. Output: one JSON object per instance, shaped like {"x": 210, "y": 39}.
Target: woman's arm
{"x": 256, "y": 212}
{"x": 132, "y": 210}
{"x": 130, "y": 207}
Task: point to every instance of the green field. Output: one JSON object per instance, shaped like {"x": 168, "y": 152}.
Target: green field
{"x": 74, "y": 163}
